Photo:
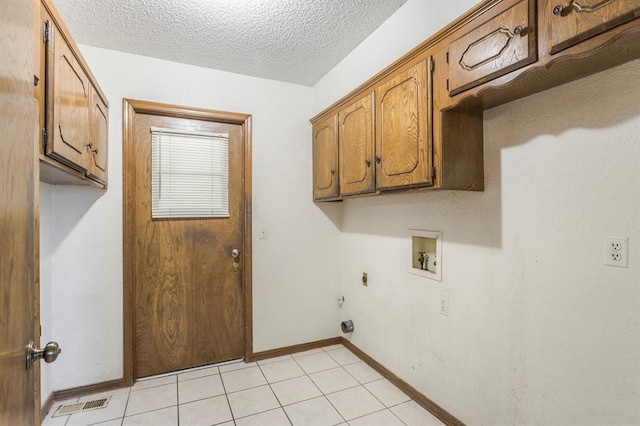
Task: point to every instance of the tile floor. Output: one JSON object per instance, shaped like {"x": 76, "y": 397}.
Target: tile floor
{"x": 328, "y": 386}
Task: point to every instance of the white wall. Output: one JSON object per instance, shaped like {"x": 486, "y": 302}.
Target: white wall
{"x": 294, "y": 289}
{"x": 539, "y": 331}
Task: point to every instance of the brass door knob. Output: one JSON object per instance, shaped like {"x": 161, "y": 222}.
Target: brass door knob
{"x": 49, "y": 353}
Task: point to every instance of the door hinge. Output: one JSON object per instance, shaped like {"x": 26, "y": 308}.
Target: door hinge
{"x": 447, "y": 84}
{"x": 433, "y": 172}
{"x": 46, "y": 31}
{"x": 45, "y": 137}
{"x": 433, "y": 64}
{"x": 447, "y": 57}
{"x": 40, "y": 330}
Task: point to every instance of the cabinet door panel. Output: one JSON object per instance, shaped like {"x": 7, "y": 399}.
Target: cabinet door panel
{"x": 581, "y": 19}
{"x": 499, "y": 45}
{"x": 99, "y": 136}
{"x": 69, "y": 115}
{"x": 325, "y": 159}
{"x": 403, "y": 129}
{"x": 355, "y": 141}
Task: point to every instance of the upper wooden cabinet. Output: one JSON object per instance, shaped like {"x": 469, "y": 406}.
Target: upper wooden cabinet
{"x": 73, "y": 111}
{"x": 403, "y": 128}
{"x": 491, "y": 46}
{"x": 325, "y": 159}
{"x": 99, "y": 126}
{"x": 356, "y": 146}
{"x": 577, "y": 20}
{"x": 427, "y": 107}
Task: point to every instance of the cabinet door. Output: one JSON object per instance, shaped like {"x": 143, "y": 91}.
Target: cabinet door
{"x": 68, "y": 104}
{"x": 404, "y": 152}
{"x": 325, "y": 159}
{"x": 577, "y": 20}
{"x": 493, "y": 47}
{"x": 99, "y": 139}
{"x": 355, "y": 136}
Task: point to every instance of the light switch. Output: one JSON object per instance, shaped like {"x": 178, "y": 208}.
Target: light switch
{"x": 263, "y": 232}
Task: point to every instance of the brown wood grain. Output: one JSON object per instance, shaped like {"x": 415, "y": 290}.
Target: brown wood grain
{"x": 18, "y": 122}
{"x": 356, "y": 146}
{"x": 206, "y": 321}
{"x": 403, "y": 129}
{"x": 68, "y": 109}
{"x": 493, "y": 47}
{"x": 325, "y": 159}
{"x": 583, "y": 19}
{"x": 99, "y": 127}
{"x": 288, "y": 350}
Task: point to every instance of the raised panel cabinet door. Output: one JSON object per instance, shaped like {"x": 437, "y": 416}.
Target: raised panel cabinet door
{"x": 325, "y": 159}
{"x": 355, "y": 137}
{"x": 99, "y": 139}
{"x": 493, "y": 47}
{"x": 68, "y": 111}
{"x": 404, "y": 153}
{"x": 573, "y": 21}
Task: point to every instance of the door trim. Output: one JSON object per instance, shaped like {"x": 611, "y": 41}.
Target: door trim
{"x": 131, "y": 107}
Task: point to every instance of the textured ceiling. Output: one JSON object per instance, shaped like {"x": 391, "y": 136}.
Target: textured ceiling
{"x": 297, "y": 41}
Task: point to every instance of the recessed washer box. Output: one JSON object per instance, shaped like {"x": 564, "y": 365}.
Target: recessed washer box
{"x": 426, "y": 254}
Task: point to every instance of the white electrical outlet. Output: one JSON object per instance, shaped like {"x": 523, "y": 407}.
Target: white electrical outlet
{"x": 616, "y": 251}
{"x": 444, "y": 305}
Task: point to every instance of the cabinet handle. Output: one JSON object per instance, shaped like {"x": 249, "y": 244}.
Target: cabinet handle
{"x": 378, "y": 160}
{"x": 518, "y": 30}
{"x": 368, "y": 163}
{"x": 557, "y": 11}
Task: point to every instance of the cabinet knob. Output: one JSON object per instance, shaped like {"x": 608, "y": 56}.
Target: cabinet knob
{"x": 368, "y": 163}
{"x": 378, "y": 160}
{"x": 557, "y": 11}
{"x": 518, "y": 30}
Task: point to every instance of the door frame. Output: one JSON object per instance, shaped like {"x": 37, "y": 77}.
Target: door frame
{"x": 131, "y": 107}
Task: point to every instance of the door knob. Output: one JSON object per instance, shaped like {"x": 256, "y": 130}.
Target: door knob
{"x": 49, "y": 353}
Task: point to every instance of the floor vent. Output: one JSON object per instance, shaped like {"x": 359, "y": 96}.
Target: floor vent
{"x": 79, "y": 407}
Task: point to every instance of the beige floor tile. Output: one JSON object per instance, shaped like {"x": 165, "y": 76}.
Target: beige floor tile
{"x": 275, "y": 417}
{"x": 152, "y": 399}
{"x": 201, "y": 372}
{"x": 276, "y": 359}
{"x": 316, "y": 412}
{"x": 333, "y": 347}
{"x": 205, "y": 412}
{"x": 333, "y": 380}
{"x": 252, "y": 401}
{"x": 386, "y": 392}
{"x": 117, "y": 422}
{"x": 239, "y": 365}
{"x": 164, "y": 417}
{"x": 362, "y": 372}
{"x": 379, "y": 418}
{"x": 316, "y": 362}
{"x": 306, "y": 353}
{"x": 243, "y": 379}
{"x": 344, "y": 356}
{"x": 414, "y": 415}
{"x": 355, "y": 402}
{"x": 200, "y": 388}
{"x": 295, "y": 390}
{"x": 283, "y": 370}
{"x": 150, "y": 383}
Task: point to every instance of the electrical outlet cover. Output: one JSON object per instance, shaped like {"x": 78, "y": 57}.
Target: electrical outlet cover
{"x": 616, "y": 251}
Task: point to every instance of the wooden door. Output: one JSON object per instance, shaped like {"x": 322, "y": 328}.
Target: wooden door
{"x": 577, "y": 20}
{"x": 325, "y": 159}
{"x": 355, "y": 136}
{"x": 68, "y": 105}
{"x": 18, "y": 122}
{"x": 189, "y": 301}
{"x": 404, "y": 154}
{"x": 99, "y": 138}
{"x": 493, "y": 47}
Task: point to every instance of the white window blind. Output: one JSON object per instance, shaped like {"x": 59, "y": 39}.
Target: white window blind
{"x": 189, "y": 174}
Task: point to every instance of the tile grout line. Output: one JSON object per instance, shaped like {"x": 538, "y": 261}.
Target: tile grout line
{"x": 275, "y": 395}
